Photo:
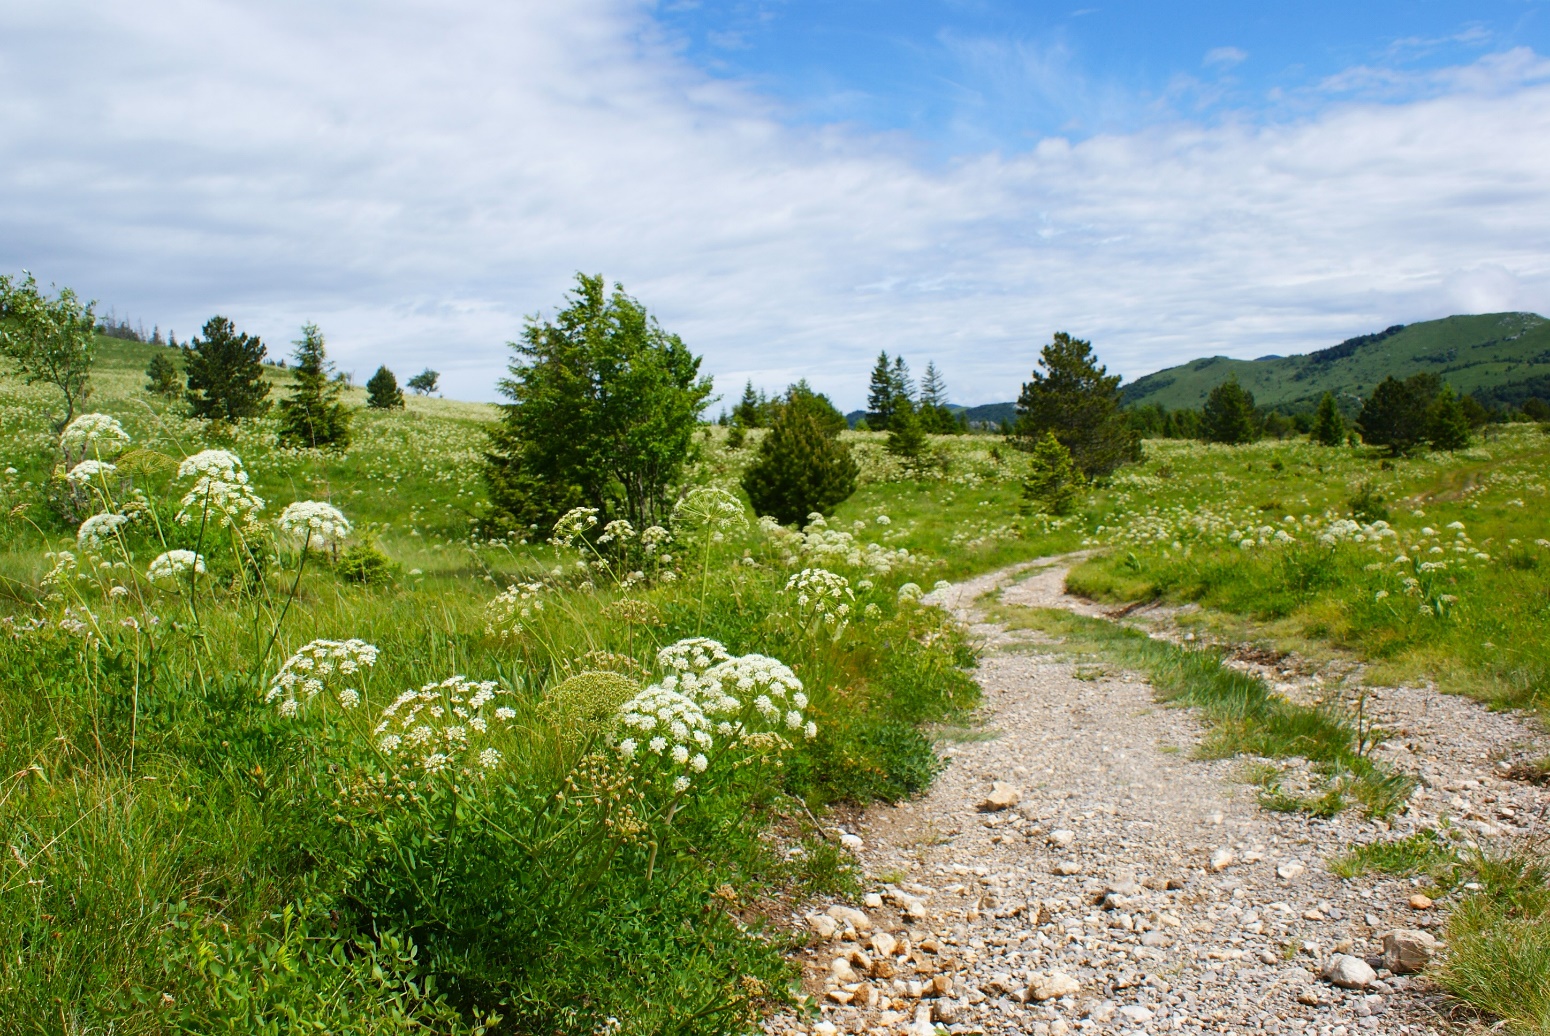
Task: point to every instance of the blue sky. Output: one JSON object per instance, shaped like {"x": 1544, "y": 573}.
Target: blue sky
{"x": 966, "y": 76}
{"x": 790, "y": 186}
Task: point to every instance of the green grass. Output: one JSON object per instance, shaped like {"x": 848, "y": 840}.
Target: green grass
{"x": 1423, "y": 853}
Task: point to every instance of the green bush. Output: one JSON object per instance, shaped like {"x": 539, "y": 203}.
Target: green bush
{"x": 365, "y": 564}
{"x": 799, "y": 469}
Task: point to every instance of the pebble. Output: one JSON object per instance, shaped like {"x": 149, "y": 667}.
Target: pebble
{"x": 1349, "y": 972}
{"x": 1419, "y": 901}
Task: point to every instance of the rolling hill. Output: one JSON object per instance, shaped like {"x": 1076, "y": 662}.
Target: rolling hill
{"x": 1500, "y": 357}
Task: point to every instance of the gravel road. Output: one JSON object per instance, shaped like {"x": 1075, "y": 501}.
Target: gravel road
{"x": 1075, "y": 869}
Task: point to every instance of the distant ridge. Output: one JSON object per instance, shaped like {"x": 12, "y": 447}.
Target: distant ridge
{"x": 1500, "y": 357}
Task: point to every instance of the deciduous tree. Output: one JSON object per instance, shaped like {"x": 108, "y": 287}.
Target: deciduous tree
{"x": 424, "y": 383}
{"x": 50, "y": 341}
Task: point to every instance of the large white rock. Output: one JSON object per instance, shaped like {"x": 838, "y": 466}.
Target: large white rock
{"x": 1002, "y": 796}
{"x": 1049, "y": 985}
{"x": 1348, "y": 972}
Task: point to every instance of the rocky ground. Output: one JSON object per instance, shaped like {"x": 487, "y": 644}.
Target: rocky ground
{"x": 1077, "y": 869}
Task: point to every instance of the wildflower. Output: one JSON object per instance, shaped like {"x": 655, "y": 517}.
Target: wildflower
{"x": 810, "y": 731}
{"x": 627, "y": 748}
{"x": 883, "y": 519}
{"x": 221, "y": 487}
{"x": 489, "y": 759}
{"x": 306, "y": 670}
{"x": 87, "y": 470}
{"x": 699, "y": 763}
{"x": 1456, "y": 525}
{"x": 680, "y": 754}
{"x": 573, "y": 523}
{"x": 315, "y": 524}
{"x": 909, "y": 592}
{"x": 447, "y": 720}
{"x": 96, "y": 531}
{"x": 692, "y": 655}
{"x": 1380, "y": 595}
{"x": 681, "y": 785}
{"x": 618, "y": 529}
{"x": 173, "y": 565}
{"x": 97, "y": 433}
{"x": 821, "y": 595}
{"x": 941, "y": 584}
{"x": 711, "y": 507}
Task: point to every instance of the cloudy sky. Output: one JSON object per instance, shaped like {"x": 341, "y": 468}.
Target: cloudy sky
{"x": 792, "y": 185}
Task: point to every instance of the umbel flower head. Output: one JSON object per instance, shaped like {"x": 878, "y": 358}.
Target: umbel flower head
{"x": 573, "y": 523}
{"x": 306, "y": 673}
{"x": 87, "y": 471}
{"x": 511, "y": 610}
{"x": 711, "y": 507}
{"x": 669, "y": 726}
{"x": 692, "y": 655}
{"x": 96, "y": 434}
{"x": 314, "y": 524}
{"x": 174, "y": 566}
{"x": 98, "y": 531}
{"x": 821, "y": 595}
{"x": 445, "y": 727}
{"x": 221, "y": 490}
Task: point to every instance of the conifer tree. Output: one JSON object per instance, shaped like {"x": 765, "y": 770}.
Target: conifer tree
{"x": 1328, "y": 424}
{"x": 906, "y": 438}
{"x": 1078, "y": 400}
{"x": 162, "y": 378}
{"x": 903, "y": 384}
{"x": 313, "y": 414}
{"x": 882, "y": 395}
{"x": 935, "y": 417}
{"x": 1228, "y": 416}
{"x": 1395, "y": 415}
{"x": 1447, "y": 425}
{"x": 382, "y": 391}
{"x": 800, "y": 468}
{"x": 226, "y": 372}
{"x": 1053, "y": 481}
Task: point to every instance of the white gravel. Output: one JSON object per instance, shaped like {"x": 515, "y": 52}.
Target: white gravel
{"x": 1151, "y": 879}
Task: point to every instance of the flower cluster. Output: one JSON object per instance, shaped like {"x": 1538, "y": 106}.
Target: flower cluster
{"x": 575, "y": 522}
{"x": 309, "y": 669}
{"x": 98, "y": 531}
{"x": 763, "y": 686}
{"x": 440, "y": 727}
{"x": 822, "y": 597}
{"x": 509, "y": 613}
{"x": 711, "y": 507}
{"x": 87, "y": 471}
{"x": 93, "y": 433}
{"x": 174, "y": 565}
{"x": 314, "y": 524}
{"x": 693, "y": 655}
{"x": 221, "y": 488}
{"x": 670, "y": 725}
{"x": 910, "y": 593}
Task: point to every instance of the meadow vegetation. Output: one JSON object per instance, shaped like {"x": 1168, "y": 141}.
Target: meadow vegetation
{"x": 297, "y": 736}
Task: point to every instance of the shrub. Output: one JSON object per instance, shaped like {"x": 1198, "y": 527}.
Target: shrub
{"x": 1053, "y": 482}
{"x": 314, "y": 415}
{"x": 1367, "y": 505}
{"x": 226, "y": 372}
{"x": 364, "y": 563}
{"x": 906, "y": 437}
{"x": 382, "y": 391}
{"x": 162, "y": 377}
{"x": 799, "y": 469}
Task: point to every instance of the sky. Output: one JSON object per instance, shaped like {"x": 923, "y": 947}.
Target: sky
{"x": 790, "y": 185}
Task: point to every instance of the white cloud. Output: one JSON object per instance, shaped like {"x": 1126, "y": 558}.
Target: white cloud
{"x": 416, "y": 177}
{"x": 1225, "y": 57}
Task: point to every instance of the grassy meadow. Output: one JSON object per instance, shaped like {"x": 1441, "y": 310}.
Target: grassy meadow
{"x": 213, "y": 825}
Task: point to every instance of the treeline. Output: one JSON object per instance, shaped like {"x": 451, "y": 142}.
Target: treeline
{"x": 1400, "y": 415}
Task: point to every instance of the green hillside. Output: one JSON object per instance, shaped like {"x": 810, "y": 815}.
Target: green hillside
{"x": 1500, "y": 357}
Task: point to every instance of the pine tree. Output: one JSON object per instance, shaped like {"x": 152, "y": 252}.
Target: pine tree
{"x": 382, "y": 391}
{"x": 1328, "y": 424}
{"x": 935, "y": 417}
{"x": 424, "y": 383}
{"x": 906, "y": 438}
{"x": 903, "y": 384}
{"x": 882, "y": 395}
{"x": 1053, "y": 481}
{"x": 162, "y": 376}
{"x": 226, "y": 373}
{"x": 1395, "y": 415}
{"x": 1228, "y": 416}
{"x": 1078, "y": 401}
{"x": 314, "y": 415}
{"x": 1447, "y": 425}
{"x": 800, "y": 468}
{"x": 749, "y": 409}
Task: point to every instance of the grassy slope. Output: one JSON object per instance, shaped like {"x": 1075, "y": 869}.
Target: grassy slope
{"x": 1472, "y": 353}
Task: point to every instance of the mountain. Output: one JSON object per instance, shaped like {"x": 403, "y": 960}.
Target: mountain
{"x": 1500, "y": 357}
{"x": 988, "y": 415}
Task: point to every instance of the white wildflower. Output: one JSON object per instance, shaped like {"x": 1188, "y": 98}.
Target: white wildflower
{"x": 93, "y": 433}
{"x": 172, "y": 566}
{"x": 314, "y": 524}
{"x": 98, "y": 531}
{"x": 87, "y": 470}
